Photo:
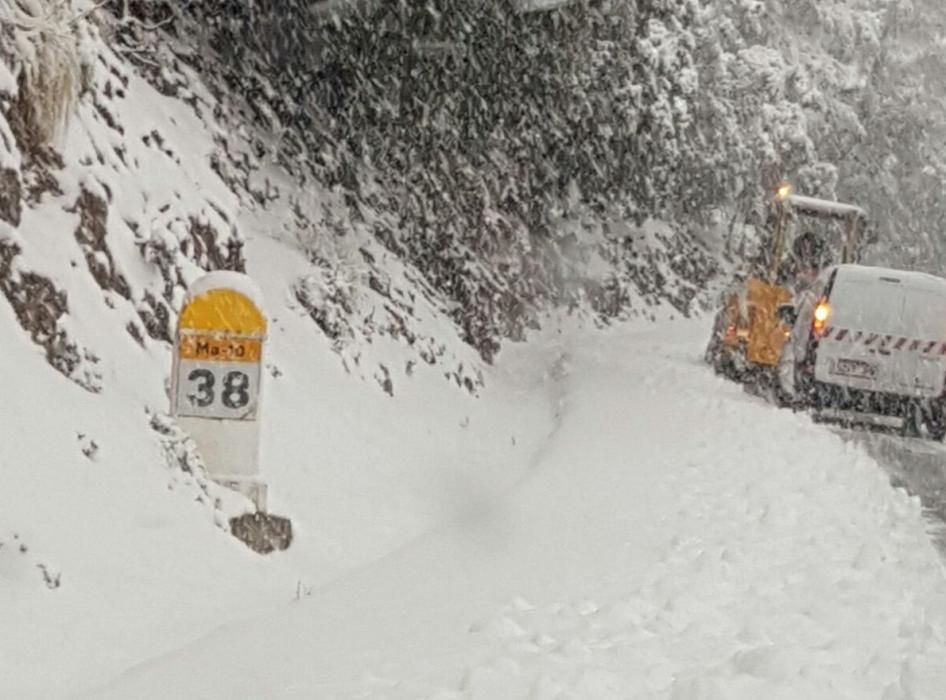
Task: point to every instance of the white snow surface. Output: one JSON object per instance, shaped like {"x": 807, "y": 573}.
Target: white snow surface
{"x": 606, "y": 518}
{"x": 225, "y": 279}
{"x": 672, "y": 537}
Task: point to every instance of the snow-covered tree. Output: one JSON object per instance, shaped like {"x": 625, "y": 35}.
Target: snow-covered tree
{"x": 474, "y": 132}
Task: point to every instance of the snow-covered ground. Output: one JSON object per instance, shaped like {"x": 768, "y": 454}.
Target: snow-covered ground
{"x": 672, "y": 538}
{"x": 605, "y": 519}
{"x": 112, "y": 552}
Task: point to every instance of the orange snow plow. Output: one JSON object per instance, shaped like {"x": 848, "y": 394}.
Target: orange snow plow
{"x": 749, "y": 333}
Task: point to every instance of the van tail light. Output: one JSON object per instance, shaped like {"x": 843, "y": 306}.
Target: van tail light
{"x": 820, "y": 319}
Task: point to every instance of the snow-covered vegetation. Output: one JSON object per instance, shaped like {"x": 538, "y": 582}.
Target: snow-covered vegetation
{"x": 512, "y": 160}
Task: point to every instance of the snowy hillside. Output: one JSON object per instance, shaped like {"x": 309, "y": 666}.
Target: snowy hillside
{"x": 109, "y": 207}
{"x": 493, "y": 494}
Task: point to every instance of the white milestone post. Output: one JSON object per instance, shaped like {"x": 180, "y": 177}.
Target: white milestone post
{"x": 216, "y": 377}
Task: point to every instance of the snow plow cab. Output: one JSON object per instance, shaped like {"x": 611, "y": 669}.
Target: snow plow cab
{"x": 749, "y": 333}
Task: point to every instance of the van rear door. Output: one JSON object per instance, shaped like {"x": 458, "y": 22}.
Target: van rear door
{"x": 884, "y": 334}
{"x": 924, "y": 318}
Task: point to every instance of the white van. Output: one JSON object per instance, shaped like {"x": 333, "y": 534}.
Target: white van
{"x": 868, "y": 345}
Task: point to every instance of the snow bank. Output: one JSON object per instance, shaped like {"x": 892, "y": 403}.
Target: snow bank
{"x": 227, "y": 279}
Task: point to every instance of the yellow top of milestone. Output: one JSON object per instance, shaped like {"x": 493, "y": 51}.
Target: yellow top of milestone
{"x": 223, "y": 311}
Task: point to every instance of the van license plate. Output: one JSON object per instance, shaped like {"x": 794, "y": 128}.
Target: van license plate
{"x": 855, "y": 368}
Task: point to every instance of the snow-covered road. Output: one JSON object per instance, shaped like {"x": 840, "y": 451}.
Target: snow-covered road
{"x": 676, "y": 538}
{"x": 915, "y": 464}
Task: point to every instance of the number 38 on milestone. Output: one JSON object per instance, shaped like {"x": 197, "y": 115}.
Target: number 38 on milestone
{"x": 218, "y": 378}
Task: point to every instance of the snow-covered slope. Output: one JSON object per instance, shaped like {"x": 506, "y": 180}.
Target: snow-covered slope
{"x": 479, "y": 530}
{"x": 113, "y": 544}
{"x": 675, "y": 538}
{"x": 132, "y": 540}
